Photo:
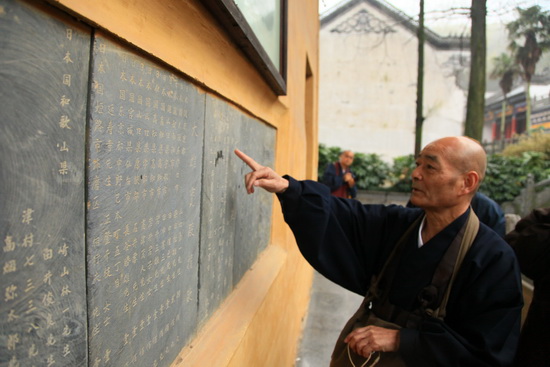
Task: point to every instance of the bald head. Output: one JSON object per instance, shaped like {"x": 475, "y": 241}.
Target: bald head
{"x": 346, "y": 158}
{"x": 464, "y": 153}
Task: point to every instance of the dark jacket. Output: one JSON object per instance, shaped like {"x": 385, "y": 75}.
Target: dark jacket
{"x": 531, "y": 241}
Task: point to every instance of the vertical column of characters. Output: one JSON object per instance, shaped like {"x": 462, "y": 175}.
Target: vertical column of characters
{"x": 253, "y": 216}
{"x": 186, "y": 182}
{"x": 224, "y": 263}
{"x": 160, "y": 262}
{"x": 217, "y": 238}
{"x": 42, "y": 292}
{"x": 69, "y": 170}
{"x": 222, "y": 237}
{"x": 138, "y": 211}
{"x": 105, "y": 219}
{"x": 18, "y": 284}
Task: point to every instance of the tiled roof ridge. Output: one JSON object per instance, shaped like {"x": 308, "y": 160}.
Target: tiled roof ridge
{"x": 437, "y": 41}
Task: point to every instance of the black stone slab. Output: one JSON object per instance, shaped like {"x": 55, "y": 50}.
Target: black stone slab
{"x": 253, "y": 212}
{"x": 147, "y": 179}
{"x": 222, "y": 123}
{"x": 43, "y": 90}
{"x": 144, "y": 188}
{"x": 235, "y": 227}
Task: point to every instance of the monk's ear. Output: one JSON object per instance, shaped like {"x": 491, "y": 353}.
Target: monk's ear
{"x": 471, "y": 182}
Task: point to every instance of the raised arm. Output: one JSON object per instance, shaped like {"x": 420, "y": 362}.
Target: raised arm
{"x": 261, "y": 176}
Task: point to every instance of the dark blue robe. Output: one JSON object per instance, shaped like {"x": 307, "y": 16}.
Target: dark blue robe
{"x": 348, "y": 242}
{"x": 490, "y": 213}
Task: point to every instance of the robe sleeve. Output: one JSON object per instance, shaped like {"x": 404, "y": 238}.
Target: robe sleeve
{"x": 341, "y": 238}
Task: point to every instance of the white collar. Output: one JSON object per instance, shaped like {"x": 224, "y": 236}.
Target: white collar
{"x": 420, "y": 242}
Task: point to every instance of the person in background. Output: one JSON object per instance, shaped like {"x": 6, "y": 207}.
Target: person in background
{"x": 530, "y": 240}
{"x": 353, "y": 244}
{"x": 339, "y": 177}
{"x": 489, "y": 212}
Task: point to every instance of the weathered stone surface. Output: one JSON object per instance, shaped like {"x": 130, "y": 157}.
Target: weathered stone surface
{"x": 144, "y": 184}
{"x": 43, "y": 89}
{"x": 124, "y": 220}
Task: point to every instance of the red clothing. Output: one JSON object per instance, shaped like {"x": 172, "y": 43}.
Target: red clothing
{"x": 333, "y": 177}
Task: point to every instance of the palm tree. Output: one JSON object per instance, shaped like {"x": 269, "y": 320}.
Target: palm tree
{"x": 533, "y": 27}
{"x": 506, "y": 70}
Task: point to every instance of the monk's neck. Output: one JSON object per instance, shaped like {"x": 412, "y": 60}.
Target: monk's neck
{"x": 435, "y": 222}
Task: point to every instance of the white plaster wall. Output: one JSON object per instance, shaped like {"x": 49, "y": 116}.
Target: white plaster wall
{"x": 367, "y": 91}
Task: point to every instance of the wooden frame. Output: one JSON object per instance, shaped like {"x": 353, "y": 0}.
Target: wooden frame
{"x": 235, "y": 23}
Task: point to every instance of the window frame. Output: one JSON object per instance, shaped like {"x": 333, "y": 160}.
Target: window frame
{"x": 236, "y": 25}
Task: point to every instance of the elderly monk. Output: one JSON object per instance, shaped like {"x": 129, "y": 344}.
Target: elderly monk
{"x": 352, "y": 245}
{"x": 339, "y": 176}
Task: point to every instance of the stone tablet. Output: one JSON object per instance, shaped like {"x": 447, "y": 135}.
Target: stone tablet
{"x": 253, "y": 212}
{"x": 222, "y": 124}
{"x": 43, "y": 88}
{"x": 144, "y": 187}
{"x": 235, "y": 226}
{"x": 124, "y": 219}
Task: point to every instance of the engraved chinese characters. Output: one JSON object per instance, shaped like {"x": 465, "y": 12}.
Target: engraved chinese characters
{"x": 144, "y": 176}
{"x": 119, "y": 195}
{"x": 43, "y": 89}
{"x": 235, "y": 226}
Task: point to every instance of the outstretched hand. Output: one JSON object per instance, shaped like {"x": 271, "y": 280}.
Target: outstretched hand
{"x": 261, "y": 176}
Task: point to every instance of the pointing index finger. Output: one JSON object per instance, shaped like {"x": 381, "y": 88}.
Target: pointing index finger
{"x": 249, "y": 161}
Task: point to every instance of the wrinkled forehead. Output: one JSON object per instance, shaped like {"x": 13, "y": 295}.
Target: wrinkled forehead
{"x": 438, "y": 153}
{"x": 434, "y": 158}
{"x": 445, "y": 153}
{"x": 432, "y": 151}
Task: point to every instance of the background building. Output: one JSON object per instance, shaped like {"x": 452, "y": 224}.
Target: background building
{"x": 515, "y": 125}
{"x": 367, "y": 92}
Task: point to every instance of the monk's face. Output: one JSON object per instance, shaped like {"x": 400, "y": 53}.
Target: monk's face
{"x": 346, "y": 159}
{"x": 436, "y": 181}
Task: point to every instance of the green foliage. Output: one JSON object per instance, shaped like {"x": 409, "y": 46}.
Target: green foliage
{"x": 534, "y": 23}
{"x": 504, "y": 178}
{"x": 326, "y": 155}
{"x": 371, "y": 172}
{"x": 401, "y": 173}
{"x": 506, "y": 175}
{"x": 506, "y": 70}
